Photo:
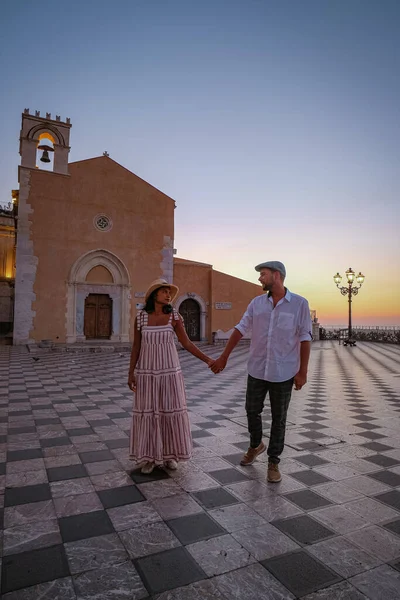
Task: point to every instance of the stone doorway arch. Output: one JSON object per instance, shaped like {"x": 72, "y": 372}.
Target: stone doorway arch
{"x": 79, "y": 286}
{"x": 203, "y": 311}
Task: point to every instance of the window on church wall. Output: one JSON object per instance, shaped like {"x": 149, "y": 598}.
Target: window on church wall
{"x": 45, "y": 152}
{"x": 102, "y": 222}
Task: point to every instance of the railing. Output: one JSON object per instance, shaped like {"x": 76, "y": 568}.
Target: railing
{"x": 7, "y": 208}
{"x": 387, "y": 335}
{"x": 344, "y": 337}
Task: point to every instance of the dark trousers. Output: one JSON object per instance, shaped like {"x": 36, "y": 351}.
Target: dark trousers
{"x": 279, "y": 397}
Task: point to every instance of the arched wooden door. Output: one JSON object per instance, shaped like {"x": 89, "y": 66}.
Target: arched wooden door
{"x": 98, "y": 316}
{"x": 190, "y": 311}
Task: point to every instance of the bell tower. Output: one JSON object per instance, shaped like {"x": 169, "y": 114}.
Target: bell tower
{"x": 44, "y": 142}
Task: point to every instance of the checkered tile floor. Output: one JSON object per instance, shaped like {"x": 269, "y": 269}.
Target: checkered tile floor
{"x": 79, "y": 524}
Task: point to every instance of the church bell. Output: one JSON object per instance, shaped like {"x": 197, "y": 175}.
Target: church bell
{"x": 45, "y": 155}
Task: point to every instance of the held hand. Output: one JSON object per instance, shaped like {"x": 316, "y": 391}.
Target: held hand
{"x": 300, "y": 379}
{"x": 219, "y": 365}
{"x": 210, "y": 362}
{"x": 132, "y": 383}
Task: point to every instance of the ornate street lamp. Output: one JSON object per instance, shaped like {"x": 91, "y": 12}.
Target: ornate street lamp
{"x": 350, "y": 290}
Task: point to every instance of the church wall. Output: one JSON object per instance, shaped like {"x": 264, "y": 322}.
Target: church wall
{"x": 231, "y": 294}
{"x": 194, "y": 281}
{"x": 62, "y": 230}
{"x": 231, "y": 291}
{"x": 191, "y": 278}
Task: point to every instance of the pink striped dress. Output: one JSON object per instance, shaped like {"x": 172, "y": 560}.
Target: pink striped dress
{"x": 160, "y": 428}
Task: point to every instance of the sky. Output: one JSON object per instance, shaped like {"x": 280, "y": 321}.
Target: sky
{"x": 274, "y": 125}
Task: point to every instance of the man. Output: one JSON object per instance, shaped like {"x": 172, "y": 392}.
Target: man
{"x": 280, "y": 326}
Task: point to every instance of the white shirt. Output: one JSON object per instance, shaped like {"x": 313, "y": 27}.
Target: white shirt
{"x": 276, "y": 334}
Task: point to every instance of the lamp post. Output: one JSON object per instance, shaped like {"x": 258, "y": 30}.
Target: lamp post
{"x": 350, "y": 290}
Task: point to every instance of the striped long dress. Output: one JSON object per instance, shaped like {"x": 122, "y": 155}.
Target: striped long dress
{"x": 160, "y": 428}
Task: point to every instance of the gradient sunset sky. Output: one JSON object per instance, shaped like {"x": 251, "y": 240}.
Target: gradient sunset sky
{"x": 274, "y": 125}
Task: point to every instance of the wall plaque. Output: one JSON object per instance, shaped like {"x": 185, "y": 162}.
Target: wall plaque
{"x": 140, "y": 294}
{"x": 223, "y": 305}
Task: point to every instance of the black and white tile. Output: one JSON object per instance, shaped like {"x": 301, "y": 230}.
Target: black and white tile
{"x": 79, "y": 522}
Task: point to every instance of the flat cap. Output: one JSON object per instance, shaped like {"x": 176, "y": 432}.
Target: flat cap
{"x": 274, "y": 265}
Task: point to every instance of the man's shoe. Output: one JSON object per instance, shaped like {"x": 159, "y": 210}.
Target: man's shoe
{"x": 274, "y": 475}
{"x": 252, "y": 454}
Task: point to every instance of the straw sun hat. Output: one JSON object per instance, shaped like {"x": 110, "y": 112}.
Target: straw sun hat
{"x": 159, "y": 283}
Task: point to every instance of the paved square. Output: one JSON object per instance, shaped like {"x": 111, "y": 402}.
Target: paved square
{"x": 80, "y": 522}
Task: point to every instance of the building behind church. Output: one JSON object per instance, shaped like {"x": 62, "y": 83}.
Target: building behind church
{"x": 7, "y": 267}
{"x": 90, "y": 238}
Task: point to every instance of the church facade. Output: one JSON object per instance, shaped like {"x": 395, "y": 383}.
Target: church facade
{"x": 91, "y": 236}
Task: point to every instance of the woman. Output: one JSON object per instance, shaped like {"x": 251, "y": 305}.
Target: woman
{"x": 160, "y": 432}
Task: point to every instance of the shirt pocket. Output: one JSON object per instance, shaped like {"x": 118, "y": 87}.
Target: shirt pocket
{"x": 285, "y": 321}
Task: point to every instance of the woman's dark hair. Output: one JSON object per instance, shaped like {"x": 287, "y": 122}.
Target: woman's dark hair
{"x": 150, "y": 305}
